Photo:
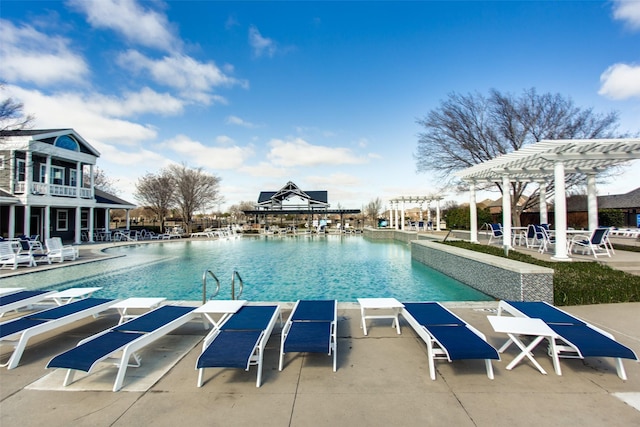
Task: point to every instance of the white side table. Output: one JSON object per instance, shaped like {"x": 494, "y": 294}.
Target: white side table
{"x": 70, "y": 295}
{"x": 135, "y": 304}
{"x": 514, "y": 326}
{"x": 224, "y": 307}
{"x": 391, "y": 305}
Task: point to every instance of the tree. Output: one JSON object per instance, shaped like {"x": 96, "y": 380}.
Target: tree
{"x": 157, "y": 193}
{"x": 12, "y": 116}
{"x": 372, "y": 210}
{"x": 195, "y": 189}
{"x": 101, "y": 181}
{"x": 466, "y": 130}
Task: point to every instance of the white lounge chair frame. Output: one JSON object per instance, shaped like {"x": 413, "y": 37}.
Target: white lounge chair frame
{"x": 11, "y": 257}
{"x": 129, "y": 350}
{"x": 56, "y": 250}
{"x": 20, "y": 339}
{"x": 25, "y": 302}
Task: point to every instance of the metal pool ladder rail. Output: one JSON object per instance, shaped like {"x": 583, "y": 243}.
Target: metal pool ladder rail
{"x": 212, "y": 275}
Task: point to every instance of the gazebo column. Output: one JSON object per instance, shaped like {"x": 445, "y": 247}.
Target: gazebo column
{"x": 402, "y": 215}
{"x": 592, "y": 201}
{"x": 429, "y": 215}
{"x": 543, "y": 204}
{"x": 438, "y": 214}
{"x": 473, "y": 213}
{"x": 560, "y": 217}
{"x": 506, "y": 211}
{"x": 391, "y": 223}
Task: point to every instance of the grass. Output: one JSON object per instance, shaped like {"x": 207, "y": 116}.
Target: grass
{"x": 575, "y": 283}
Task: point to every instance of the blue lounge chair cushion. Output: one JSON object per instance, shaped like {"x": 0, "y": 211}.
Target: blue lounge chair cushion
{"x": 250, "y": 318}
{"x": 230, "y": 349}
{"x": 84, "y": 356}
{"x": 548, "y": 313}
{"x": 462, "y": 343}
{"x": 430, "y": 313}
{"x": 311, "y": 337}
{"x": 315, "y": 310}
{"x": 17, "y": 296}
{"x": 18, "y": 325}
{"x": 154, "y": 319}
{"x": 67, "y": 309}
{"x": 591, "y": 342}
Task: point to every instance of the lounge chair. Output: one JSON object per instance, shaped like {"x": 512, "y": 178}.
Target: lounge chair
{"x": 311, "y": 328}
{"x": 597, "y": 243}
{"x": 128, "y": 337}
{"x": 56, "y": 250}
{"x": 240, "y": 341}
{"x": 18, "y": 331}
{"x": 447, "y": 336}
{"x": 34, "y": 249}
{"x": 577, "y": 339}
{"x": 17, "y": 300}
{"x": 10, "y": 256}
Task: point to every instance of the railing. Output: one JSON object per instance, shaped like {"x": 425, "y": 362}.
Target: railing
{"x": 233, "y": 284}
{"x": 40, "y": 188}
{"x": 204, "y": 285}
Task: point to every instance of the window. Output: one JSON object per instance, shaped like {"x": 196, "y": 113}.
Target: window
{"x": 62, "y": 220}
{"x": 67, "y": 142}
{"x": 43, "y": 172}
{"x": 57, "y": 175}
{"x": 20, "y": 170}
{"x": 84, "y": 220}
{"x": 73, "y": 177}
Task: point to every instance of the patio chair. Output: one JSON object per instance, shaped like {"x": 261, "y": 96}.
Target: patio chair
{"x": 240, "y": 341}
{"x": 311, "y": 328}
{"x": 127, "y": 338}
{"x": 531, "y": 239}
{"x": 56, "y": 250}
{"x": 17, "y": 332}
{"x": 545, "y": 238}
{"x": 576, "y": 339}
{"x": 447, "y": 336}
{"x": 10, "y": 256}
{"x": 20, "y": 299}
{"x": 496, "y": 232}
{"x": 34, "y": 248}
{"x": 597, "y": 243}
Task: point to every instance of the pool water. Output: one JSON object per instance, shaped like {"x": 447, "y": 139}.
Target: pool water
{"x": 272, "y": 269}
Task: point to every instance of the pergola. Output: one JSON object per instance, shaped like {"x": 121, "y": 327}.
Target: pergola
{"x": 399, "y": 204}
{"x": 550, "y": 161}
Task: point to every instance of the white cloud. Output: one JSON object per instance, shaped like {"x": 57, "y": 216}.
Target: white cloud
{"x": 85, "y": 116}
{"x": 210, "y": 157}
{"x": 298, "y": 152}
{"x": 620, "y": 81}
{"x": 224, "y": 140}
{"x": 264, "y": 170}
{"x": 28, "y": 55}
{"x": 627, "y": 11}
{"x": 135, "y": 23}
{"x": 235, "y": 120}
{"x": 194, "y": 79}
{"x": 261, "y": 45}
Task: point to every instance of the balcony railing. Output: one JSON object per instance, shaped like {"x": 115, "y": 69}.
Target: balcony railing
{"x": 52, "y": 190}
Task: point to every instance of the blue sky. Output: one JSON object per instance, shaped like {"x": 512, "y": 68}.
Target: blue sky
{"x": 324, "y": 94}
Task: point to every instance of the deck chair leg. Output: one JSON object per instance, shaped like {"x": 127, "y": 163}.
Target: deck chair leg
{"x": 489, "y": 368}
{"x": 620, "y": 368}
{"x": 432, "y": 363}
{"x": 68, "y": 379}
{"x": 200, "y": 375}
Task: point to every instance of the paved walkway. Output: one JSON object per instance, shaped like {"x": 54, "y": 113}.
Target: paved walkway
{"x": 382, "y": 379}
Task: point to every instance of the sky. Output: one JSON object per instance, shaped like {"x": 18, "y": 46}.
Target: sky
{"x": 323, "y": 94}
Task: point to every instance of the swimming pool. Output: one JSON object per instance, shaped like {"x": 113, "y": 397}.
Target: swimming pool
{"x": 273, "y": 269}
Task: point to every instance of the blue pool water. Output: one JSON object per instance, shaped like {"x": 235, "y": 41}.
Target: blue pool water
{"x": 273, "y": 269}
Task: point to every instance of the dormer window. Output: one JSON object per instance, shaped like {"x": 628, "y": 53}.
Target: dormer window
{"x": 67, "y": 142}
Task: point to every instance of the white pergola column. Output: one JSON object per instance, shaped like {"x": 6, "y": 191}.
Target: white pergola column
{"x": 91, "y": 224}
{"x": 592, "y": 201}
{"x": 126, "y": 212}
{"x": 26, "y": 224}
{"x": 391, "y": 223}
{"x": 437, "y": 214}
{"x": 506, "y": 211}
{"x": 78, "y": 178}
{"x": 429, "y": 213}
{"x": 560, "y": 215}
{"x": 47, "y": 222}
{"x": 395, "y": 212}
{"x": 107, "y": 219}
{"x": 402, "y": 215}
{"x": 421, "y": 203}
{"x": 473, "y": 213}
{"x": 544, "y": 219}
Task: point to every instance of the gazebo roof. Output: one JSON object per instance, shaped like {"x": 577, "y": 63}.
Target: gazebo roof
{"x": 536, "y": 161}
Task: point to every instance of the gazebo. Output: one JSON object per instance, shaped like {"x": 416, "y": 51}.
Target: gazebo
{"x": 550, "y": 161}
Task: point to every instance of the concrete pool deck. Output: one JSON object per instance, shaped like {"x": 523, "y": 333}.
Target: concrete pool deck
{"x": 382, "y": 379}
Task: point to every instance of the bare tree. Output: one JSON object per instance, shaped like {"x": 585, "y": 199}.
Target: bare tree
{"x": 466, "y": 130}
{"x": 101, "y": 180}
{"x": 195, "y": 189}
{"x": 12, "y": 116}
{"x": 372, "y": 210}
{"x": 157, "y": 193}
